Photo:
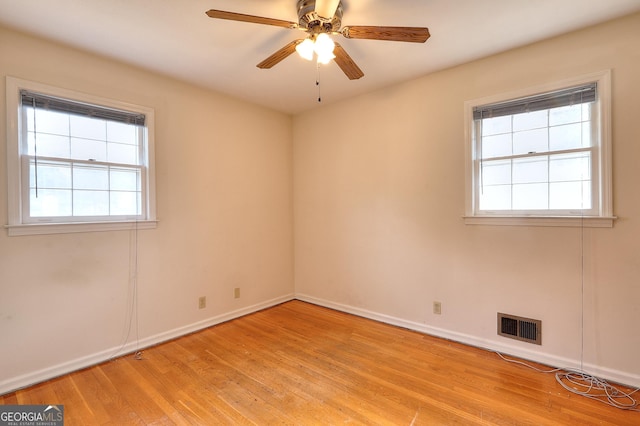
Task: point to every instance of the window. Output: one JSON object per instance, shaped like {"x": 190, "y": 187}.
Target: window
{"x": 76, "y": 162}
{"x": 541, "y": 156}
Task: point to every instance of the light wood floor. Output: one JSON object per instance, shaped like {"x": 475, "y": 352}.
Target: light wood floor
{"x": 302, "y": 364}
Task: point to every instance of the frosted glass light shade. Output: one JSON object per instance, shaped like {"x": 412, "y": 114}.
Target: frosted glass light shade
{"x": 305, "y": 49}
{"x": 326, "y": 58}
{"x": 324, "y": 45}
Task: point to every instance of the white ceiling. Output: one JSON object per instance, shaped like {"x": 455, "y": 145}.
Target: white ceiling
{"x": 176, "y": 38}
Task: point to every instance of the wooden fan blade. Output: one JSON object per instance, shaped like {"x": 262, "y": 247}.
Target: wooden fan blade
{"x": 346, "y": 64}
{"x": 232, "y": 16}
{"x": 326, "y": 8}
{"x": 410, "y": 34}
{"x": 279, "y": 55}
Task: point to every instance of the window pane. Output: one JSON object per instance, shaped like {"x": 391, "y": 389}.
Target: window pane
{"x": 122, "y": 133}
{"x": 495, "y": 197}
{"x": 121, "y": 153}
{"x": 46, "y": 145}
{"x": 496, "y": 172}
{"x": 49, "y": 176}
{"x": 88, "y": 128}
{"x": 50, "y": 202}
{"x": 125, "y": 180}
{"x": 530, "y": 170}
{"x": 570, "y": 167}
{"x": 90, "y": 203}
{"x": 565, "y": 115}
{"x": 125, "y": 203}
{"x": 86, "y": 149}
{"x": 48, "y": 122}
{"x": 496, "y": 146}
{"x": 586, "y": 134}
{"x": 90, "y": 177}
{"x": 530, "y": 120}
{"x": 586, "y": 195}
{"x": 495, "y": 126}
{"x": 530, "y": 141}
{"x": 568, "y": 136}
{"x": 570, "y": 195}
{"x": 531, "y": 196}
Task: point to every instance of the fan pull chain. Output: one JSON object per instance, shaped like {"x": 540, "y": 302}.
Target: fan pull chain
{"x": 318, "y": 81}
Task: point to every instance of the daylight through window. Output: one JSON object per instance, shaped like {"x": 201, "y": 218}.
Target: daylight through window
{"x": 80, "y": 161}
{"x": 543, "y": 154}
{"x": 82, "y": 164}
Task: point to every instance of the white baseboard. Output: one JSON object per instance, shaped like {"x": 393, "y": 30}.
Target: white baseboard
{"x": 48, "y": 373}
{"x": 616, "y": 376}
{"x": 19, "y": 382}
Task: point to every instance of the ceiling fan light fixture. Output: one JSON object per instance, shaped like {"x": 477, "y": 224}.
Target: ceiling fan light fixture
{"x": 325, "y": 59}
{"x": 305, "y": 49}
{"x": 320, "y": 19}
{"x": 324, "y": 46}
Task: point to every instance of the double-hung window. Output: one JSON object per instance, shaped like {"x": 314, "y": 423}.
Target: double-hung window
{"x": 76, "y": 162}
{"x": 541, "y": 156}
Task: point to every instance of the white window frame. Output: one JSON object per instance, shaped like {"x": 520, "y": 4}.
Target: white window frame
{"x": 16, "y": 179}
{"x": 603, "y": 217}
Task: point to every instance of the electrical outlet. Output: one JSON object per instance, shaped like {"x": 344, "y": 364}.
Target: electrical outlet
{"x": 202, "y": 302}
{"x": 437, "y": 308}
{"x": 236, "y": 293}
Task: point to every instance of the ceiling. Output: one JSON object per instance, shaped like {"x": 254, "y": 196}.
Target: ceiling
{"x": 176, "y": 38}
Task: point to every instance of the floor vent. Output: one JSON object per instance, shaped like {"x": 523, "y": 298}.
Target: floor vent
{"x": 524, "y": 329}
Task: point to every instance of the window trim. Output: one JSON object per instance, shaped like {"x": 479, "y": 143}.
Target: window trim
{"x": 16, "y": 225}
{"x": 604, "y": 216}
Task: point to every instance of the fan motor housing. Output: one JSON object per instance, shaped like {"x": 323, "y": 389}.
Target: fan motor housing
{"x": 308, "y": 18}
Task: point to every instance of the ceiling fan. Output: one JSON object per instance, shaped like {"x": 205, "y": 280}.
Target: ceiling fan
{"x": 320, "y": 19}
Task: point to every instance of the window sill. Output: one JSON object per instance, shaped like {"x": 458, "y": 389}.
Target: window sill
{"x": 66, "y": 228}
{"x": 563, "y": 221}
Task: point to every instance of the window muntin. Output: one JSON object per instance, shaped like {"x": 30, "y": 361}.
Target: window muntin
{"x": 541, "y": 152}
{"x": 76, "y": 159}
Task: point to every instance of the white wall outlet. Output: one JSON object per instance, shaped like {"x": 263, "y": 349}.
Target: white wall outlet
{"x": 236, "y": 293}
{"x": 202, "y": 302}
{"x": 437, "y": 308}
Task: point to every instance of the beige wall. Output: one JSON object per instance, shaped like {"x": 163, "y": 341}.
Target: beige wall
{"x": 224, "y": 206}
{"x": 378, "y": 213}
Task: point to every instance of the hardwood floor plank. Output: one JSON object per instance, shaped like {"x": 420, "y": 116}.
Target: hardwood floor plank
{"x": 300, "y": 364}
